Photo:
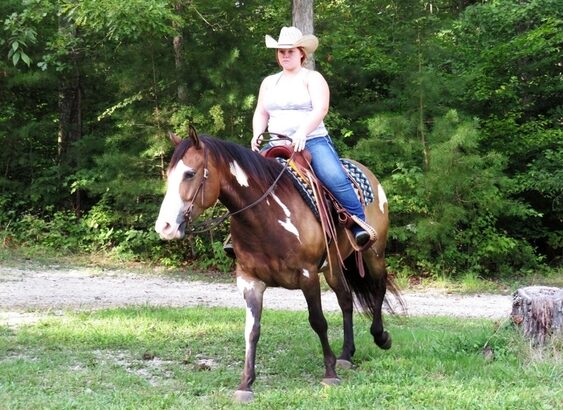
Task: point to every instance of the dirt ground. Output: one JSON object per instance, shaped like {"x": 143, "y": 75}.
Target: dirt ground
{"x": 29, "y": 293}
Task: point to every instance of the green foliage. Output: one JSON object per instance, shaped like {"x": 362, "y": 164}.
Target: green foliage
{"x": 146, "y": 357}
{"x": 447, "y": 218}
{"x": 60, "y": 231}
{"x": 456, "y": 108}
{"x": 119, "y": 21}
{"x": 211, "y": 255}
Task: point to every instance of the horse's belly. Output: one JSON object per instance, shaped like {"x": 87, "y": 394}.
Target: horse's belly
{"x": 279, "y": 274}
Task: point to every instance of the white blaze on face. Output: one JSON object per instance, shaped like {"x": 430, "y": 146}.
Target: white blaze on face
{"x": 287, "y": 224}
{"x": 382, "y": 198}
{"x": 172, "y": 205}
{"x": 306, "y": 273}
{"x": 238, "y": 173}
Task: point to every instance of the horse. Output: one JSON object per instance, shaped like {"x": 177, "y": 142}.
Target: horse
{"x": 278, "y": 242}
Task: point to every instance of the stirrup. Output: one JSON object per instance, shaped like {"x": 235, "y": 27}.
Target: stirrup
{"x": 228, "y": 247}
{"x": 368, "y": 229}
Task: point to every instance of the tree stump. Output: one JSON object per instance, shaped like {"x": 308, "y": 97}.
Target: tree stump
{"x": 538, "y": 311}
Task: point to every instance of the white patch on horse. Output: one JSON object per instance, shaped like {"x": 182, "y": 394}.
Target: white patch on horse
{"x": 248, "y": 326}
{"x": 238, "y": 173}
{"x": 287, "y": 224}
{"x": 243, "y": 284}
{"x": 284, "y": 208}
{"x": 172, "y": 204}
{"x": 306, "y": 273}
{"x": 382, "y": 198}
{"x": 257, "y": 288}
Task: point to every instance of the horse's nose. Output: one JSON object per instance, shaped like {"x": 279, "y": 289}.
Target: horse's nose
{"x": 163, "y": 228}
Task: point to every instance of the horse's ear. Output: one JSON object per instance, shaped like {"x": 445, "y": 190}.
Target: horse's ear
{"x": 193, "y": 136}
{"x": 174, "y": 138}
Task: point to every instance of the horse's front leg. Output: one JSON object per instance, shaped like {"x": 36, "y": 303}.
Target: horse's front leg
{"x": 252, "y": 290}
{"x": 312, "y": 292}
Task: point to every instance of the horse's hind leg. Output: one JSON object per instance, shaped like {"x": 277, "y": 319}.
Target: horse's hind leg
{"x": 378, "y": 273}
{"x": 348, "y": 347}
{"x": 346, "y": 303}
{"x": 312, "y": 292}
{"x": 253, "y": 291}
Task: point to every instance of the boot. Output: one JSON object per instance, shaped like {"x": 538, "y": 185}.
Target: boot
{"x": 361, "y": 236}
{"x": 228, "y": 247}
{"x": 229, "y": 250}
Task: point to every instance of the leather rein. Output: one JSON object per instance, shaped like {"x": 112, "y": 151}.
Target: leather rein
{"x": 211, "y": 223}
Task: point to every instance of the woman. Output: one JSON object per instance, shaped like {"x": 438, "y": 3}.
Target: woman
{"x": 294, "y": 102}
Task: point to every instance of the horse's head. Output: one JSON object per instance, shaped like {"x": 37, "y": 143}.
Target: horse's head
{"x": 190, "y": 188}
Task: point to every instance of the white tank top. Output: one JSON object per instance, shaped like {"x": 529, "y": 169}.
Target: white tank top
{"x": 288, "y": 104}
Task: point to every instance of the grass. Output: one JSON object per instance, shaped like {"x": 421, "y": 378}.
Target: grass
{"x": 163, "y": 358}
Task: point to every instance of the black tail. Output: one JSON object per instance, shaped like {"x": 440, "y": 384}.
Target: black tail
{"x": 370, "y": 290}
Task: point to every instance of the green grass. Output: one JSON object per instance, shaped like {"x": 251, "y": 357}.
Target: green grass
{"x": 161, "y": 358}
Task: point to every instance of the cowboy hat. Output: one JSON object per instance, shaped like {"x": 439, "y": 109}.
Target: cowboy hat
{"x": 291, "y": 37}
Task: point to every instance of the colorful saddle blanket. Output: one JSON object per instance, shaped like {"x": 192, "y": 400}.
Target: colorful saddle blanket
{"x": 306, "y": 192}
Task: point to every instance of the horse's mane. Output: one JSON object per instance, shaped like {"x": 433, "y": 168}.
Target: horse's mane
{"x": 261, "y": 170}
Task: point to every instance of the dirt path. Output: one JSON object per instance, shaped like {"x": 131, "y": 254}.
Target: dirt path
{"x": 27, "y": 294}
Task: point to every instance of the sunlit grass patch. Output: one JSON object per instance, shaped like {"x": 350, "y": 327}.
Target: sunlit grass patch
{"x": 146, "y": 357}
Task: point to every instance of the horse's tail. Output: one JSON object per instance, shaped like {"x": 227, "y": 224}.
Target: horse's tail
{"x": 370, "y": 290}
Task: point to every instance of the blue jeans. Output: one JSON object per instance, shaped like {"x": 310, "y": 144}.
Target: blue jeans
{"x": 328, "y": 168}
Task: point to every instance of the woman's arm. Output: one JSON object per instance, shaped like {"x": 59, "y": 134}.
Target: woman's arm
{"x": 259, "y": 120}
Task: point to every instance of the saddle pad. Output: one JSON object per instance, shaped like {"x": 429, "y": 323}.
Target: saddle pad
{"x": 306, "y": 191}
{"x": 361, "y": 179}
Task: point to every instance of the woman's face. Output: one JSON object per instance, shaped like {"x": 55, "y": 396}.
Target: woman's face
{"x": 289, "y": 58}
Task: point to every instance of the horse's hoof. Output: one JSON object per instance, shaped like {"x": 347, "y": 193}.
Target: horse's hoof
{"x": 244, "y": 396}
{"x": 344, "y": 364}
{"x": 384, "y": 342}
{"x": 330, "y": 381}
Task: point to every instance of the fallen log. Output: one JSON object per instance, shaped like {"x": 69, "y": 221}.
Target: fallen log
{"x": 538, "y": 311}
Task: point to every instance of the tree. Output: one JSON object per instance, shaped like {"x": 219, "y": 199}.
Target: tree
{"x": 416, "y": 88}
{"x": 302, "y": 16}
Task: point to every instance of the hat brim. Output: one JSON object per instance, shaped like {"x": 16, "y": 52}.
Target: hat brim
{"x": 309, "y": 42}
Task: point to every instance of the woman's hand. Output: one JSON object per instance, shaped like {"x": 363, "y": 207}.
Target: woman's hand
{"x": 298, "y": 141}
{"x": 256, "y": 142}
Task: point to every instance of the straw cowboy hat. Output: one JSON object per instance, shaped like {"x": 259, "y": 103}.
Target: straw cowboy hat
{"x": 291, "y": 37}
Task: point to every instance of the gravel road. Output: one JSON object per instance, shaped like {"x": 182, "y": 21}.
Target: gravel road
{"x": 27, "y": 294}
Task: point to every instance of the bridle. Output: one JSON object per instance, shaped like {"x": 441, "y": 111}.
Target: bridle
{"x": 211, "y": 223}
{"x": 201, "y": 187}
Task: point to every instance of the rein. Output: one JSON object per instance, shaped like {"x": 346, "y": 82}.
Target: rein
{"x": 211, "y": 223}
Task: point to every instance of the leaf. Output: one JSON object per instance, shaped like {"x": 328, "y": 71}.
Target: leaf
{"x": 16, "y": 58}
{"x": 15, "y": 45}
{"x": 26, "y": 59}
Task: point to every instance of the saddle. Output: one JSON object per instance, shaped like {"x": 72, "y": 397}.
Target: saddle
{"x": 325, "y": 207}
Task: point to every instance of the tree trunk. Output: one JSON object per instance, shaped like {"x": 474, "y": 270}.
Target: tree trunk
{"x": 70, "y": 107}
{"x": 70, "y": 99}
{"x": 538, "y": 310}
{"x": 178, "y": 43}
{"x": 302, "y": 16}
{"x": 421, "y": 124}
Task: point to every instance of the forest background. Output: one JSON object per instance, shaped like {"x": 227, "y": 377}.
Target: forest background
{"x": 455, "y": 105}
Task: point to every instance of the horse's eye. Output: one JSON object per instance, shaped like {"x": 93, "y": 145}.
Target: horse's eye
{"x": 189, "y": 174}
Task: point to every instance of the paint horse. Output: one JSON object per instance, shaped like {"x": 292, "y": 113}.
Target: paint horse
{"x": 277, "y": 240}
